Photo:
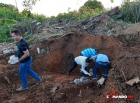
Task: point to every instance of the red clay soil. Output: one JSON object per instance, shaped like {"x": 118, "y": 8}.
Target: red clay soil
{"x": 54, "y": 64}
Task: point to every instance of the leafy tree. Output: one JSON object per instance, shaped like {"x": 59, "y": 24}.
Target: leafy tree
{"x": 11, "y": 18}
{"x": 26, "y": 13}
{"x": 85, "y": 9}
{"x": 29, "y": 3}
{"x": 112, "y": 1}
{"x": 5, "y": 28}
{"x": 8, "y": 6}
{"x": 94, "y": 4}
{"x": 64, "y": 16}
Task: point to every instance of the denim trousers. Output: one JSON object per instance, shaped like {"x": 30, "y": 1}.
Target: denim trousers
{"x": 100, "y": 64}
{"x": 25, "y": 68}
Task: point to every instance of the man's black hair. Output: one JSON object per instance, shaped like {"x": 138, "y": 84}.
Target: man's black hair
{"x": 88, "y": 60}
{"x": 16, "y": 32}
{"x": 97, "y": 50}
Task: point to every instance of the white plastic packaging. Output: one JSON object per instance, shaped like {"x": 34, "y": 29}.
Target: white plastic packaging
{"x": 38, "y": 50}
{"x": 13, "y": 59}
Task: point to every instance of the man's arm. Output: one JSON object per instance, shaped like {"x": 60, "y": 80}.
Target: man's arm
{"x": 26, "y": 54}
{"x": 83, "y": 70}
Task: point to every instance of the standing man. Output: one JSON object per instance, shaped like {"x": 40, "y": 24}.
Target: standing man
{"x": 88, "y": 52}
{"x": 25, "y": 60}
{"x": 101, "y": 60}
{"x": 83, "y": 61}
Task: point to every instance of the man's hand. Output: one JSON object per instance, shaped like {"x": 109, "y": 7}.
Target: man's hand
{"x": 90, "y": 74}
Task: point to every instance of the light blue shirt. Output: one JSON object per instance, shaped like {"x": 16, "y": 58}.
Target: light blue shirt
{"x": 101, "y": 58}
{"x": 88, "y": 52}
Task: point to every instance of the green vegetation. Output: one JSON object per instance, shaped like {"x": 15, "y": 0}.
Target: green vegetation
{"x": 12, "y": 19}
{"x": 94, "y": 4}
{"x": 131, "y": 11}
{"x": 5, "y": 28}
{"x": 29, "y": 3}
{"x": 89, "y": 9}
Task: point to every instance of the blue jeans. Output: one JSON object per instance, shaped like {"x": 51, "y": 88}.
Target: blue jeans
{"x": 100, "y": 64}
{"x": 25, "y": 68}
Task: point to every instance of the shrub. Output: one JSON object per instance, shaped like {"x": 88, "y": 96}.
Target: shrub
{"x": 131, "y": 11}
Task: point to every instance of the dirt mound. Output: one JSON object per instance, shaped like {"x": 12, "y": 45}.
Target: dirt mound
{"x": 134, "y": 29}
{"x": 62, "y": 50}
{"x": 130, "y": 36}
{"x": 56, "y": 60}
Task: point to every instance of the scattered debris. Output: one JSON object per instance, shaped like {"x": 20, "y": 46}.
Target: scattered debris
{"x": 133, "y": 81}
{"x": 113, "y": 11}
{"x": 7, "y": 79}
{"x": 6, "y": 51}
{"x": 80, "y": 94}
{"x": 6, "y": 48}
{"x": 77, "y": 81}
{"x": 42, "y": 51}
{"x": 81, "y": 80}
{"x": 38, "y": 50}
{"x": 53, "y": 90}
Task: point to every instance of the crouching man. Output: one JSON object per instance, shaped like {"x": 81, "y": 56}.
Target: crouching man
{"x": 83, "y": 61}
{"x": 101, "y": 60}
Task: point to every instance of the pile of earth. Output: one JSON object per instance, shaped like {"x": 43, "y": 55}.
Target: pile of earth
{"x": 97, "y": 25}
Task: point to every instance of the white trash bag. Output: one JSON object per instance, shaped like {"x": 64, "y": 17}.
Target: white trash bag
{"x": 13, "y": 59}
{"x": 81, "y": 80}
{"x": 77, "y": 81}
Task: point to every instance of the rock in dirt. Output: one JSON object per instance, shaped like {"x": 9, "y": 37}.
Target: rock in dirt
{"x": 7, "y": 79}
{"x": 6, "y": 48}
{"x": 133, "y": 81}
{"x": 54, "y": 89}
{"x": 6, "y": 51}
